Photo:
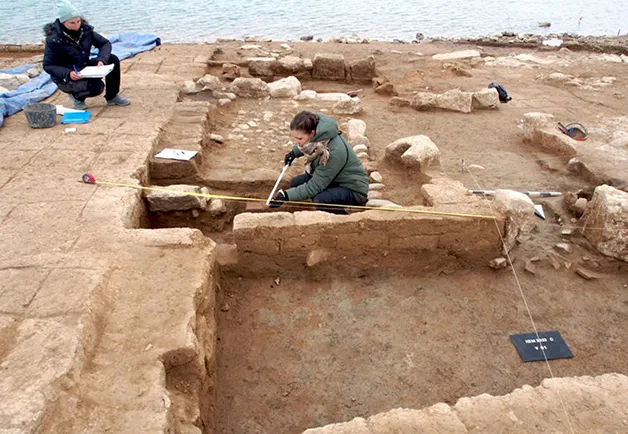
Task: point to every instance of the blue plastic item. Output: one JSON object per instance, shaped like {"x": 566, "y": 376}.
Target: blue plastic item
{"x": 76, "y": 117}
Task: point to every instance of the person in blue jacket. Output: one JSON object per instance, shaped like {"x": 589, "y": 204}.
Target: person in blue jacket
{"x": 69, "y": 40}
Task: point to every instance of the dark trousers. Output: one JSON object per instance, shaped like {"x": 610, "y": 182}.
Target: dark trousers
{"x": 332, "y": 195}
{"x": 95, "y": 85}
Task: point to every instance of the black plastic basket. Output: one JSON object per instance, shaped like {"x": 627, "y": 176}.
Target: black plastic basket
{"x": 41, "y": 115}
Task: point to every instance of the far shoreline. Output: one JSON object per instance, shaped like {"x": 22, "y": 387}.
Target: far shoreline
{"x": 598, "y": 44}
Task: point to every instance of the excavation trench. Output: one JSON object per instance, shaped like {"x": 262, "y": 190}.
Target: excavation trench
{"x": 322, "y": 318}
{"x": 302, "y": 298}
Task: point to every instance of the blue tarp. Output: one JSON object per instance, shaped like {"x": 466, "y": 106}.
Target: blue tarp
{"x": 124, "y": 45}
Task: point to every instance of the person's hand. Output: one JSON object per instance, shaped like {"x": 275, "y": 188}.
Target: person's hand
{"x": 75, "y": 76}
{"x": 278, "y": 200}
{"x": 289, "y": 158}
{"x": 100, "y": 63}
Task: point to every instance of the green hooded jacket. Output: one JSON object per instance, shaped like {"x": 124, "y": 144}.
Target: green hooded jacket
{"x": 343, "y": 168}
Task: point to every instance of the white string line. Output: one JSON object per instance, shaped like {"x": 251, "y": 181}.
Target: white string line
{"x": 525, "y": 302}
{"x": 539, "y": 157}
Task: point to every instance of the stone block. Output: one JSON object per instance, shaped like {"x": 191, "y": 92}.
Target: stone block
{"x": 360, "y": 148}
{"x": 421, "y": 101}
{"x": 317, "y": 256}
{"x": 445, "y": 191}
{"x": 362, "y": 70}
{"x": 457, "y": 55}
{"x": 306, "y": 95}
{"x": 249, "y": 88}
{"x": 320, "y": 222}
{"x": 328, "y": 67}
{"x": 554, "y": 142}
{"x": 217, "y": 207}
{"x": 288, "y": 87}
{"x": 486, "y": 99}
{"x": 333, "y": 97}
{"x": 349, "y": 107}
{"x": 606, "y": 222}
{"x": 414, "y": 151}
{"x": 176, "y": 199}
{"x": 381, "y": 203}
{"x": 355, "y": 127}
{"x": 455, "y": 100}
{"x": 452, "y": 100}
{"x": 377, "y": 187}
{"x": 518, "y": 209}
{"x": 250, "y": 225}
{"x": 535, "y": 120}
{"x": 290, "y": 65}
{"x": 209, "y": 82}
{"x": 386, "y": 89}
{"x": 189, "y": 87}
{"x": 262, "y": 66}
{"x": 360, "y": 140}
{"x": 375, "y": 176}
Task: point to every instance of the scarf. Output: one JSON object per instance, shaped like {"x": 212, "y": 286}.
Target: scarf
{"x": 75, "y": 35}
{"x": 311, "y": 150}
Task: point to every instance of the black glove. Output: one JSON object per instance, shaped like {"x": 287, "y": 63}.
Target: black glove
{"x": 278, "y": 200}
{"x": 289, "y": 158}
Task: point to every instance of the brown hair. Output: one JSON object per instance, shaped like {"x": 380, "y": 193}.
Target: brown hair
{"x": 304, "y": 121}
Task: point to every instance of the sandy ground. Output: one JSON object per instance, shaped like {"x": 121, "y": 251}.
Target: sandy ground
{"x": 314, "y": 353}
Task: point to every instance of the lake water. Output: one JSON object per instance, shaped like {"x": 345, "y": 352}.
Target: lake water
{"x": 21, "y": 21}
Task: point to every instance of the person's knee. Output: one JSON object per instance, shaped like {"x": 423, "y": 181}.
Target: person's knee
{"x": 96, "y": 88}
{"x": 113, "y": 59}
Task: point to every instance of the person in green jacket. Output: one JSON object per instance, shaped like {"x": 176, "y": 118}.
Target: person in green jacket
{"x": 333, "y": 172}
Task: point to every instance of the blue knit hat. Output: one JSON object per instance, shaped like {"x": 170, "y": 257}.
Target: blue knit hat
{"x": 66, "y": 10}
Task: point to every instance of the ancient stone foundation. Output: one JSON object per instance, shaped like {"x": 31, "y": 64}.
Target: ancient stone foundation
{"x": 371, "y": 240}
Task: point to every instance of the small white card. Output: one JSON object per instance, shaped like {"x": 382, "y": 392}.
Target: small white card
{"x": 176, "y": 154}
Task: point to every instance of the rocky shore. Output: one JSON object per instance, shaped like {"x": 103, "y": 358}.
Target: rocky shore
{"x": 598, "y": 44}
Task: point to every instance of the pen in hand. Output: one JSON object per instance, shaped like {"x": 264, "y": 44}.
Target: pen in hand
{"x": 75, "y": 74}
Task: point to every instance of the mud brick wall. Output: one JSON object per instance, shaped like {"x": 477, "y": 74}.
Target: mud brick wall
{"x": 270, "y": 243}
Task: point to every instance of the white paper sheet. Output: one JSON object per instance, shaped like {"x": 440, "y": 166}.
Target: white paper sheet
{"x": 96, "y": 71}
{"x": 176, "y": 154}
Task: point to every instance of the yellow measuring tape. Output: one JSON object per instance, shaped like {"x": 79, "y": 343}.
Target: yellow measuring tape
{"x": 88, "y": 178}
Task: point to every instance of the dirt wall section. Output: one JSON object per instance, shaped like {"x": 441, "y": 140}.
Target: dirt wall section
{"x": 385, "y": 240}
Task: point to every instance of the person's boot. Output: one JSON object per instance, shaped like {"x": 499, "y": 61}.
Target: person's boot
{"x": 78, "y": 105}
{"x": 118, "y": 100}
